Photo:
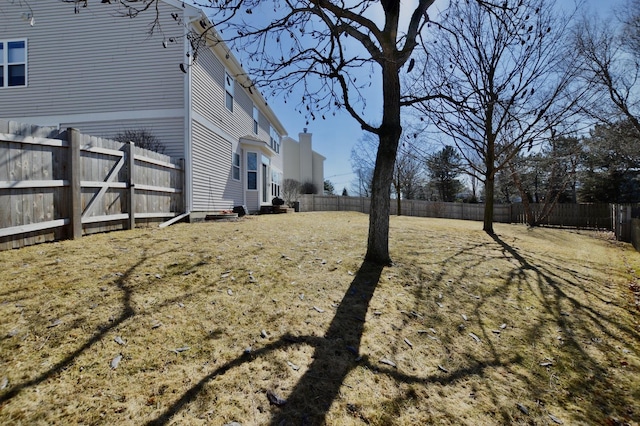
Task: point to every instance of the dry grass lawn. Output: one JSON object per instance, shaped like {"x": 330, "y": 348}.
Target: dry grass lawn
{"x": 274, "y": 320}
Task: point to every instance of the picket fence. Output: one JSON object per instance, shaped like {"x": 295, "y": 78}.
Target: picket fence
{"x": 57, "y": 184}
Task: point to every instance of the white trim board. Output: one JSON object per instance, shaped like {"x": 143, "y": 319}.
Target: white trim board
{"x": 56, "y": 120}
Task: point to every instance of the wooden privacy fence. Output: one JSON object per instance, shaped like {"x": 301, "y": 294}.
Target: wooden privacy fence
{"x": 595, "y": 216}
{"x": 62, "y": 184}
{"x": 625, "y": 222}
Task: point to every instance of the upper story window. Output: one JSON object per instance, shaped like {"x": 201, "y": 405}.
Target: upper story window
{"x": 256, "y": 116}
{"x": 274, "y": 141}
{"x": 13, "y": 63}
{"x": 228, "y": 87}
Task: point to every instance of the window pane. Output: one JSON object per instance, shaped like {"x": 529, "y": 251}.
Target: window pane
{"x": 16, "y": 75}
{"x": 255, "y": 127}
{"x": 1, "y": 76}
{"x": 236, "y": 173}
{"x": 16, "y": 52}
{"x": 236, "y": 159}
{"x": 252, "y": 161}
{"x": 229, "y": 102}
{"x": 252, "y": 180}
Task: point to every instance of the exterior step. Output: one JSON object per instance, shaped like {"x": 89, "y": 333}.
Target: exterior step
{"x": 275, "y": 209}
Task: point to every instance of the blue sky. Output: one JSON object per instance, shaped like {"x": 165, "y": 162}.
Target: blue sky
{"x": 335, "y": 137}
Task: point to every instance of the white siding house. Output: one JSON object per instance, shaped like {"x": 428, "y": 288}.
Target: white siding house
{"x": 302, "y": 163}
{"x": 103, "y": 73}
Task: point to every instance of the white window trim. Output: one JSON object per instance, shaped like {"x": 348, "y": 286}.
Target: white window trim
{"x": 4, "y": 62}
{"x": 276, "y": 182}
{"x": 234, "y": 167}
{"x": 256, "y": 120}
{"x": 256, "y": 171}
{"x": 229, "y": 84}
{"x": 274, "y": 139}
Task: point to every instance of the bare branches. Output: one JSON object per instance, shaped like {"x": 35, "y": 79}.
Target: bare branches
{"x": 611, "y": 66}
{"x": 497, "y": 81}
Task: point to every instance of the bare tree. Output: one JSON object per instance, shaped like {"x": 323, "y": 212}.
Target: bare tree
{"x": 544, "y": 177}
{"x": 611, "y": 66}
{"x": 142, "y": 138}
{"x": 406, "y": 173}
{"x": 363, "y": 162}
{"x": 507, "y": 82}
{"x": 290, "y": 191}
{"x": 319, "y": 46}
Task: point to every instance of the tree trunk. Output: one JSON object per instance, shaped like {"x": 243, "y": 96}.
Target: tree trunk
{"x": 378, "y": 242}
{"x": 389, "y": 133}
{"x": 489, "y": 187}
{"x": 399, "y": 201}
{"x": 490, "y": 177}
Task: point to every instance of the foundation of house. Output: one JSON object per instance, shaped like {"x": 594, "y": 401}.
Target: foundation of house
{"x": 212, "y": 216}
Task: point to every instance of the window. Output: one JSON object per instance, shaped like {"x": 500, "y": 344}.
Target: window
{"x": 274, "y": 139}
{"x": 276, "y": 181}
{"x": 236, "y": 166}
{"x": 256, "y": 116}
{"x": 13, "y": 63}
{"x": 228, "y": 87}
{"x": 252, "y": 170}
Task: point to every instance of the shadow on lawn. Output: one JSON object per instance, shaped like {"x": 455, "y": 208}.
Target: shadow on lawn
{"x": 335, "y": 353}
{"x": 127, "y": 312}
{"x": 579, "y": 325}
{"x": 333, "y": 358}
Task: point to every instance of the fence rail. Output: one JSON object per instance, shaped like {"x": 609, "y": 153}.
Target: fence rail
{"x": 62, "y": 184}
{"x": 589, "y": 216}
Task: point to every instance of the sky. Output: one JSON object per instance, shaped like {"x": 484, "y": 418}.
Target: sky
{"x": 335, "y": 137}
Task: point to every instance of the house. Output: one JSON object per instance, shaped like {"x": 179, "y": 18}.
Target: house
{"x": 302, "y": 163}
{"x": 84, "y": 65}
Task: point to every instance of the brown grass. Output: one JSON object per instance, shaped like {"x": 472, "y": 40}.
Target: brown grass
{"x": 569, "y": 349}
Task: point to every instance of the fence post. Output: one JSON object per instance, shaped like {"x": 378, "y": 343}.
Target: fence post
{"x": 75, "y": 189}
{"x": 183, "y": 179}
{"x": 129, "y": 152}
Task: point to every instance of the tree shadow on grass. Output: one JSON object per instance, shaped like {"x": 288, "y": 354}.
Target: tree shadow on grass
{"x": 576, "y": 326}
{"x": 333, "y": 358}
{"x": 126, "y": 313}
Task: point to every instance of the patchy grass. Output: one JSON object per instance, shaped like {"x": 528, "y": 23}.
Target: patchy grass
{"x": 530, "y": 327}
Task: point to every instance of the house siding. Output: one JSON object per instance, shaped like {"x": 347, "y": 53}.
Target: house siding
{"x": 213, "y": 186}
{"x": 223, "y": 128}
{"x": 170, "y": 132}
{"x": 96, "y": 62}
{"x": 209, "y": 100}
{"x": 102, "y": 74}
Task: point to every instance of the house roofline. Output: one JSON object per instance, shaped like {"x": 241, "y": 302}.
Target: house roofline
{"x": 220, "y": 47}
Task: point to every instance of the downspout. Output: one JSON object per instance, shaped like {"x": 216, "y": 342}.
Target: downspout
{"x": 243, "y": 178}
{"x": 188, "y": 151}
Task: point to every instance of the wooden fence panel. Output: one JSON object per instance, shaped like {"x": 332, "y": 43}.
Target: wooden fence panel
{"x": 36, "y": 176}
{"x": 592, "y": 216}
